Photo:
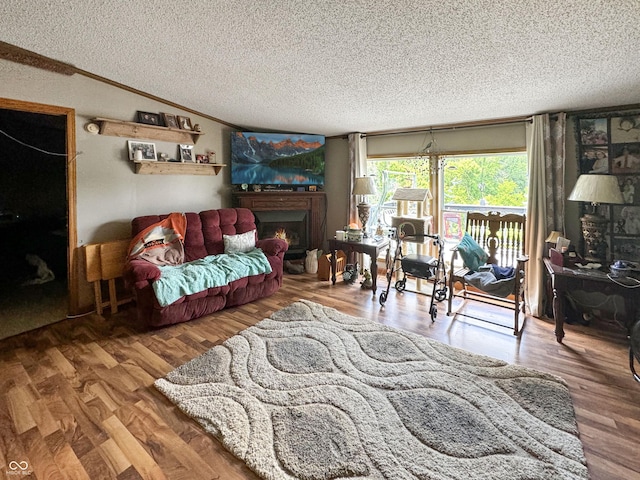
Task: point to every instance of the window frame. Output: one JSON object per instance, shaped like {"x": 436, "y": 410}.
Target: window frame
{"x": 437, "y": 174}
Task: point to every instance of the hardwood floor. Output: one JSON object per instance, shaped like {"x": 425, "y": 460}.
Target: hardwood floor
{"x": 77, "y": 398}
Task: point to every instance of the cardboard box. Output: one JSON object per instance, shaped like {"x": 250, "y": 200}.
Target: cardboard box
{"x": 324, "y": 265}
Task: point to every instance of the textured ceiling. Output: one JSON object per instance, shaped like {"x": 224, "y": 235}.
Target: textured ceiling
{"x": 335, "y": 66}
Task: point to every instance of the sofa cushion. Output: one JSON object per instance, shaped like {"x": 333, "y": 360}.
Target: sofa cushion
{"x": 208, "y": 272}
{"x": 224, "y": 221}
{"x": 240, "y": 243}
{"x": 193, "y": 240}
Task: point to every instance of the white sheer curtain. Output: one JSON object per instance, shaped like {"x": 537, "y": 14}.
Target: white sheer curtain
{"x": 545, "y": 209}
{"x": 357, "y": 168}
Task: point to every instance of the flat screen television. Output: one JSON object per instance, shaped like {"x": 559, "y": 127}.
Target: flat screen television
{"x": 287, "y": 159}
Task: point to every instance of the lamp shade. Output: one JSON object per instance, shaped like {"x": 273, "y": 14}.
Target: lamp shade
{"x": 553, "y": 237}
{"x": 596, "y": 189}
{"x": 365, "y": 186}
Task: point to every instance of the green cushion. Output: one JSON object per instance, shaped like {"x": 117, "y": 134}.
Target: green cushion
{"x": 472, "y": 254}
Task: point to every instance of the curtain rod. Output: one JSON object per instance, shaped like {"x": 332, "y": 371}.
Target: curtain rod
{"x": 455, "y": 126}
{"x": 487, "y": 123}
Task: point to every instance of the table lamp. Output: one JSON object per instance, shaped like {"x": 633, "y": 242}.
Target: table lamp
{"x": 364, "y": 186}
{"x": 595, "y": 189}
{"x": 552, "y": 240}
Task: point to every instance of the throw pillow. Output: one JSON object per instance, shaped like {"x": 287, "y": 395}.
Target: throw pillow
{"x": 472, "y": 254}
{"x": 241, "y": 243}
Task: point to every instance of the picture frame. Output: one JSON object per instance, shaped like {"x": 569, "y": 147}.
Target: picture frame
{"x": 626, "y": 220}
{"x": 149, "y": 118}
{"x": 202, "y": 159}
{"x": 625, "y": 129}
{"x": 170, "y": 120}
{"x": 628, "y": 185}
{"x": 186, "y": 153}
{"x": 625, "y": 158}
{"x": 184, "y": 123}
{"x": 594, "y": 159}
{"x": 594, "y": 131}
{"x": 147, "y": 151}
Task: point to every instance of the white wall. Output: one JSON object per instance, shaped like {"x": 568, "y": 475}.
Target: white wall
{"x": 337, "y": 185}
{"x": 109, "y": 193}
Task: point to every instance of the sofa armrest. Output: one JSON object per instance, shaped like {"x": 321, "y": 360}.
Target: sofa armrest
{"x": 272, "y": 247}
{"x": 139, "y": 273}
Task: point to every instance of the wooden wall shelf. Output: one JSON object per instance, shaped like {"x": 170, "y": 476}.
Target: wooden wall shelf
{"x": 177, "y": 168}
{"x": 119, "y": 128}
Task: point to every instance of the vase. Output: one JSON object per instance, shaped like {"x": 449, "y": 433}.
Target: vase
{"x": 311, "y": 261}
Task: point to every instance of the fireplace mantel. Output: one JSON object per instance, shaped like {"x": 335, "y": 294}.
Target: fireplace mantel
{"x": 313, "y": 202}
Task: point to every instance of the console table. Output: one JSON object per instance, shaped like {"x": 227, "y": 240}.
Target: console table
{"x": 564, "y": 279}
{"x": 368, "y": 246}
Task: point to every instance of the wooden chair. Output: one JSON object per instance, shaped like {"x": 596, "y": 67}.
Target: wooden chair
{"x": 502, "y": 237}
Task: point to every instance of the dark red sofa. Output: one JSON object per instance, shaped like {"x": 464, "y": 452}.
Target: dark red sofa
{"x": 204, "y": 237}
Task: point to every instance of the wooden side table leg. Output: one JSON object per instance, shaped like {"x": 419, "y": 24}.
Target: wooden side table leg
{"x": 558, "y": 314}
{"x": 333, "y": 266}
{"x": 374, "y": 273}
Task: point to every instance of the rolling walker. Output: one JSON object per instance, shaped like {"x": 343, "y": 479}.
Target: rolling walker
{"x": 424, "y": 267}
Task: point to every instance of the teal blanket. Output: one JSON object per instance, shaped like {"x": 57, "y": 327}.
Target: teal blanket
{"x": 208, "y": 272}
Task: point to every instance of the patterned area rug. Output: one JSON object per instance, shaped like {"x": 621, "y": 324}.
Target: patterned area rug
{"x": 312, "y": 393}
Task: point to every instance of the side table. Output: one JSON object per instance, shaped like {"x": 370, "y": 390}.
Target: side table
{"x": 368, "y": 246}
{"x": 564, "y": 279}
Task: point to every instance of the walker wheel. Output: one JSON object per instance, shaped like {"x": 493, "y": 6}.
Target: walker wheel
{"x": 441, "y": 294}
{"x": 401, "y": 285}
{"x": 383, "y": 298}
{"x": 433, "y": 312}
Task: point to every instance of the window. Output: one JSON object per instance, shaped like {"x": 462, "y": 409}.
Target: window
{"x": 482, "y": 182}
{"x": 392, "y": 174}
{"x": 485, "y": 182}
{"x": 492, "y": 182}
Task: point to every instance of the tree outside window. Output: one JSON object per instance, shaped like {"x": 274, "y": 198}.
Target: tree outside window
{"x": 486, "y": 181}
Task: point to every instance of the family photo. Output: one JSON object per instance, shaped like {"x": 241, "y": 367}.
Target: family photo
{"x": 627, "y": 220}
{"x": 594, "y": 160}
{"x": 626, "y": 158}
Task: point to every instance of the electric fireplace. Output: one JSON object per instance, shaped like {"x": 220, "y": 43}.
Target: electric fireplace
{"x": 289, "y": 225}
